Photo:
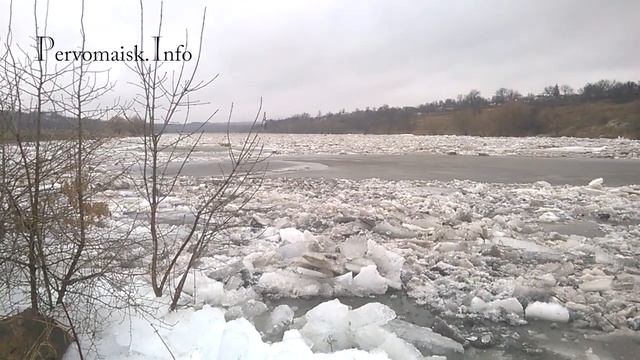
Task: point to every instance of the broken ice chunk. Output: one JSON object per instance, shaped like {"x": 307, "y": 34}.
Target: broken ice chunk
{"x": 293, "y": 250}
{"x": 358, "y": 263}
{"x": 371, "y": 314}
{"x": 204, "y": 289}
{"x": 257, "y": 220}
{"x": 253, "y": 308}
{"x": 353, "y": 247}
{"x": 389, "y": 263}
{"x": 547, "y": 311}
{"x": 511, "y": 305}
{"x": 385, "y": 228}
{"x": 374, "y": 337}
{"x": 238, "y": 296}
{"x": 258, "y": 260}
{"x": 424, "y": 338}
{"x": 322, "y": 262}
{"x": 369, "y": 281}
{"x": 281, "y": 316}
{"x": 283, "y": 282}
{"x": 599, "y": 283}
{"x": 332, "y": 326}
{"x": 548, "y": 280}
{"x": 478, "y": 305}
{"x": 291, "y": 235}
{"x": 292, "y": 347}
{"x": 327, "y": 326}
{"x": 542, "y": 184}
{"x": 241, "y": 341}
{"x": 549, "y": 217}
{"x": 596, "y": 183}
{"x": 342, "y": 284}
{"x": 447, "y": 246}
{"x": 318, "y": 274}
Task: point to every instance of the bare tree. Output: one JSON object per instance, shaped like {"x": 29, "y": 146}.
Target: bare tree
{"x": 33, "y": 165}
{"x": 53, "y": 243}
{"x": 56, "y": 253}
{"x": 165, "y": 98}
{"x": 551, "y": 91}
{"x": 566, "y": 90}
{"x": 504, "y": 95}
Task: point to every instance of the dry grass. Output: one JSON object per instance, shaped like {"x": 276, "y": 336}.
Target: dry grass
{"x": 596, "y": 119}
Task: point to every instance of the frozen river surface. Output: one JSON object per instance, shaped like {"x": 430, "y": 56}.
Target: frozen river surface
{"x": 494, "y": 169}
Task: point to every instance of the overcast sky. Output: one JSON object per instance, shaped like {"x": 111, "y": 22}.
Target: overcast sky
{"x": 306, "y": 56}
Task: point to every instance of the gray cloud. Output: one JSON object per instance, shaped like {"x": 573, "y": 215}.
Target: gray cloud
{"x": 305, "y": 56}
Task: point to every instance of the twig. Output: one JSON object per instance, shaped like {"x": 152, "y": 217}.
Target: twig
{"x": 163, "y": 342}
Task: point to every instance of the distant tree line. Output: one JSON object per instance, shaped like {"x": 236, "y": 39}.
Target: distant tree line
{"x": 507, "y": 111}
{"x": 57, "y": 126}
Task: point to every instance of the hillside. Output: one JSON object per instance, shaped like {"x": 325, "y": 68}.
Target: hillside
{"x": 602, "y": 109}
{"x": 594, "y": 119}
